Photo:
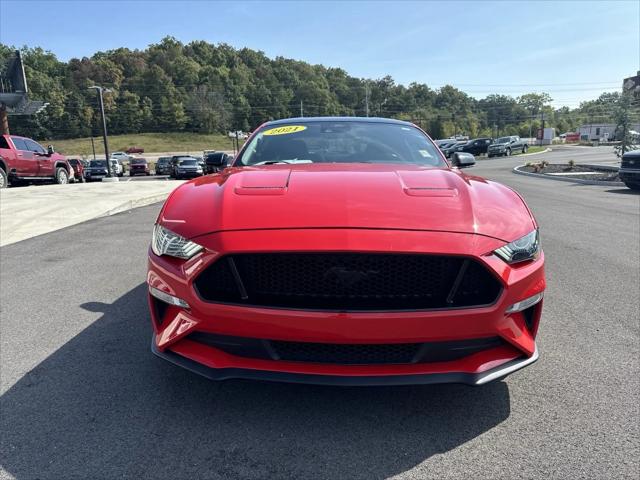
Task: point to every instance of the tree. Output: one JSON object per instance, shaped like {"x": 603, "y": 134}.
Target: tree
{"x": 208, "y": 87}
{"x": 622, "y": 115}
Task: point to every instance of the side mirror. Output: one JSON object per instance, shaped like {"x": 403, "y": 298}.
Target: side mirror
{"x": 50, "y": 150}
{"x": 463, "y": 160}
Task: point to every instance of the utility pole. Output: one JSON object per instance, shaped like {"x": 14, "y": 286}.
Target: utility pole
{"x": 93, "y": 147}
{"x": 366, "y": 98}
{"x": 301, "y": 110}
{"x": 110, "y": 177}
{"x": 542, "y": 138}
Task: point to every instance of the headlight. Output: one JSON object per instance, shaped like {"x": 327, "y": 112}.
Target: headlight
{"x": 522, "y": 249}
{"x": 165, "y": 242}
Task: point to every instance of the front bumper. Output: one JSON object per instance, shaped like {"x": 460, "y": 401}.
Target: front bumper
{"x": 517, "y": 331}
{"x": 473, "y": 379}
{"x": 629, "y": 175}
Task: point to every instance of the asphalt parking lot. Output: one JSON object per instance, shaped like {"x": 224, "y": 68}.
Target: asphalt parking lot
{"x": 83, "y": 397}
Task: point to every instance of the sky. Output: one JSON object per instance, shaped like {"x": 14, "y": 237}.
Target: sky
{"x": 573, "y": 50}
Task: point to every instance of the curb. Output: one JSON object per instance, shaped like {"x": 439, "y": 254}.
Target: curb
{"x": 564, "y": 179}
{"x": 131, "y": 204}
{"x": 546, "y": 150}
{"x": 608, "y": 168}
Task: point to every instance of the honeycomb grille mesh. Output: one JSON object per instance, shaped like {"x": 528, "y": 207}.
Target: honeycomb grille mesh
{"x": 348, "y": 281}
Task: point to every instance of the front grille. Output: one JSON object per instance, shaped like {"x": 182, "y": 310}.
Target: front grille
{"x": 348, "y": 281}
{"x": 631, "y": 161}
{"x": 346, "y": 354}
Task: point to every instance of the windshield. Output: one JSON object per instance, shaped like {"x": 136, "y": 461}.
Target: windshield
{"x": 188, "y": 163}
{"x": 138, "y": 161}
{"x": 340, "y": 142}
{"x": 503, "y": 140}
{"x": 98, "y": 163}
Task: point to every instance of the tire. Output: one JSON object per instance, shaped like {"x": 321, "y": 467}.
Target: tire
{"x": 507, "y": 152}
{"x": 4, "y": 180}
{"x": 524, "y": 149}
{"x": 62, "y": 176}
{"x": 631, "y": 185}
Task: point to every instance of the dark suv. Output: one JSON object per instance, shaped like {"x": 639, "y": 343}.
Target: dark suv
{"x": 629, "y": 171}
{"x": 185, "y": 167}
{"x": 477, "y": 146}
{"x": 506, "y": 146}
{"x": 163, "y": 166}
{"x": 216, "y": 161}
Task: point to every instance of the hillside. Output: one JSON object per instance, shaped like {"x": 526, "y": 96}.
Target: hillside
{"x": 213, "y": 88}
{"x": 151, "y": 142}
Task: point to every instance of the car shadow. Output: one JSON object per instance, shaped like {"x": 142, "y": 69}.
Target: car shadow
{"x": 102, "y": 406}
{"x": 624, "y": 191}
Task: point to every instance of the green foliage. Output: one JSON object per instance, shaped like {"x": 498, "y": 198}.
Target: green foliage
{"x": 624, "y": 106}
{"x": 206, "y": 88}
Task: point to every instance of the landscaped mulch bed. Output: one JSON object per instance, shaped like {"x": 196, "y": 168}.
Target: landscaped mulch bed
{"x": 575, "y": 172}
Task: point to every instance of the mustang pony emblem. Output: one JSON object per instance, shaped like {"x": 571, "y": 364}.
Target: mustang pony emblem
{"x": 348, "y": 278}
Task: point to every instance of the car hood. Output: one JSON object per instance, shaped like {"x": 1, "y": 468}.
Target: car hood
{"x": 346, "y": 196}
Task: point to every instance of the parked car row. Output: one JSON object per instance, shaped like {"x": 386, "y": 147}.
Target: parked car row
{"x": 503, "y": 146}
{"x": 187, "y": 166}
{"x": 97, "y": 169}
{"x": 25, "y": 160}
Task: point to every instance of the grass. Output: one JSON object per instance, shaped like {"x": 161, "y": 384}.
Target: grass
{"x": 535, "y": 149}
{"x": 178, "y": 142}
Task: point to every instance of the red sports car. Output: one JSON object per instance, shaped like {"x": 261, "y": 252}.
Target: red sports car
{"x": 346, "y": 251}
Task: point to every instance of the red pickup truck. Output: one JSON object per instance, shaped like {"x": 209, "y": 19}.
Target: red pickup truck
{"x": 23, "y": 159}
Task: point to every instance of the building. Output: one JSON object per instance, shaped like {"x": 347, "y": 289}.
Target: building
{"x": 601, "y": 132}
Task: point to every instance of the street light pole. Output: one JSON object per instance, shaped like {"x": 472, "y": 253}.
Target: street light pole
{"x": 104, "y": 132}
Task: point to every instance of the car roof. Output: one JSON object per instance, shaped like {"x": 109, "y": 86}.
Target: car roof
{"x": 338, "y": 119}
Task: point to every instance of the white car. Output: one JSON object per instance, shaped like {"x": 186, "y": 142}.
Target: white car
{"x": 117, "y": 168}
{"x": 121, "y": 156}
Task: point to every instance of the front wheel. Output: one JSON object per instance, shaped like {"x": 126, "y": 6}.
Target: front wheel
{"x": 508, "y": 152}
{"x": 524, "y": 149}
{"x": 4, "y": 181}
{"x": 62, "y": 177}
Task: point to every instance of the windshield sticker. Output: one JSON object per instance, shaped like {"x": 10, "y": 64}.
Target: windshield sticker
{"x": 285, "y": 130}
{"x": 424, "y": 153}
